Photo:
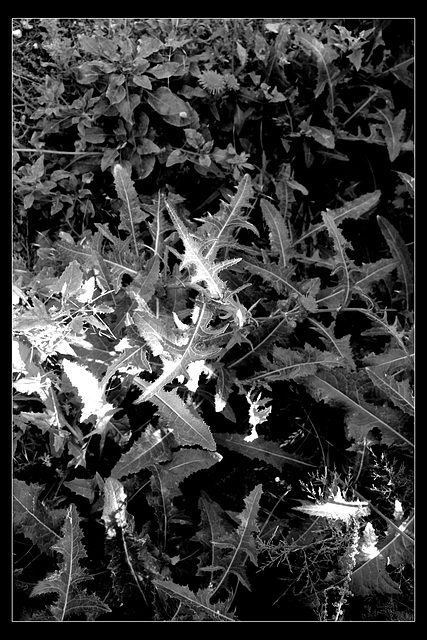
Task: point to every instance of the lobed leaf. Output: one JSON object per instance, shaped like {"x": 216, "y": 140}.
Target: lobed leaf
{"x": 70, "y": 599}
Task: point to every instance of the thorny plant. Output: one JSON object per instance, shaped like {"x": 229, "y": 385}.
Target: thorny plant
{"x": 155, "y": 340}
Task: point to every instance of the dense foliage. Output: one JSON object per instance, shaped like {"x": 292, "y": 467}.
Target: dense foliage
{"x": 213, "y": 319}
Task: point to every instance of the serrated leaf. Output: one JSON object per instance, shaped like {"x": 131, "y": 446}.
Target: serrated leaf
{"x": 289, "y": 364}
{"x": 114, "y": 513}
{"x": 90, "y": 390}
{"x": 352, "y": 210}
{"x": 260, "y": 449}
{"x": 31, "y": 518}
{"x": 323, "y": 136}
{"x": 82, "y": 487}
{"x": 339, "y": 386}
{"x": 399, "y": 393}
{"x": 279, "y": 236}
{"x": 177, "y": 348}
{"x": 371, "y": 576}
{"x": 273, "y": 274}
{"x": 341, "y": 345}
{"x": 131, "y": 213}
{"x": 198, "y": 601}
{"x": 152, "y": 446}
{"x": 188, "y": 427}
{"x": 66, "y": 582}
{"x": 205, "y": 269}
{"x": 132, "y": 360}
{"x": 239, "y": 545}
{"x": 369, "y": 274}
{"x": 401, "y": 255}
{"x": 324, "y": 55}
{"x": 217, "y": 230}
{"x": 184, "y": 463}
{"x": 335, "y": 509}
{"x": 69, "y": 282}
{"x": 393, "y": 131}
{"x": 340, "y": 260}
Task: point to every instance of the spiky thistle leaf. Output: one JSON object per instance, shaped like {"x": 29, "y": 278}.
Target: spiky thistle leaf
{"x": 178, "y": 347}
{"x": 71, "y": 599}
{"x": 237, "y": 546}
{"x": 130, "y": 212}
{"x": 205, "y": 269}
{"x": 188, "y": 427}
{"x": 32, "y": 518}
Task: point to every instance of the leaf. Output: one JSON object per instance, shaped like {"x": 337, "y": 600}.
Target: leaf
{"x": 392, "y": 130}
{"x": 188, "y": 427}
{"x": 90, "y": 391}
{"x": 69, "y": 283}
{"x": 153, "y": 446}
{"x": 261, "y": 449}
{"x": 341, "y": 387}
{"x": 323, "y": 136}
{"x": 401, "y": 72}
{"x": 279, "y": 236}
{"x": 401, "y": 255}
{"x": 184, "y": 463}
{"x": 353, "y": 210}
{"x": 324, "y": 55}
{"x": 409, "y": 181}
{"x": 167, "y": 69}
{"x": 82, "y": 487}
{"x": 114, "y": 513}
{"x": 130, "y": 212}
{"x": 272, "y": 274}
{"x": 115, "y": 90}
{"x": 399, "y": 393}
{"x": 204, "y": 268}
{"x": 177, "y": 349}
{"x": 198, "y": 602}
{"x": 365, "y": 276}
{"x": 239, "y": 545}
{"x": 148, "y": 45}
{"x": 70, "y": 600}
{"x": 217, "y": 231}
{"x": 31, "y": 518}
{"x": 341, "y": 345}
{"x": 174, "y": 110}
{"x": 132, "y": 360}
{"x": 290, "y": 364}
{"x": 241, "y": 53}
{"x": 335, "y": 509}
{"x": 340, "y": 260}
{"x": 370, "y": 577}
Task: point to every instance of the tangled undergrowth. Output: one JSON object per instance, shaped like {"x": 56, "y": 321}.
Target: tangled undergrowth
{"x": 213, "y": 323}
